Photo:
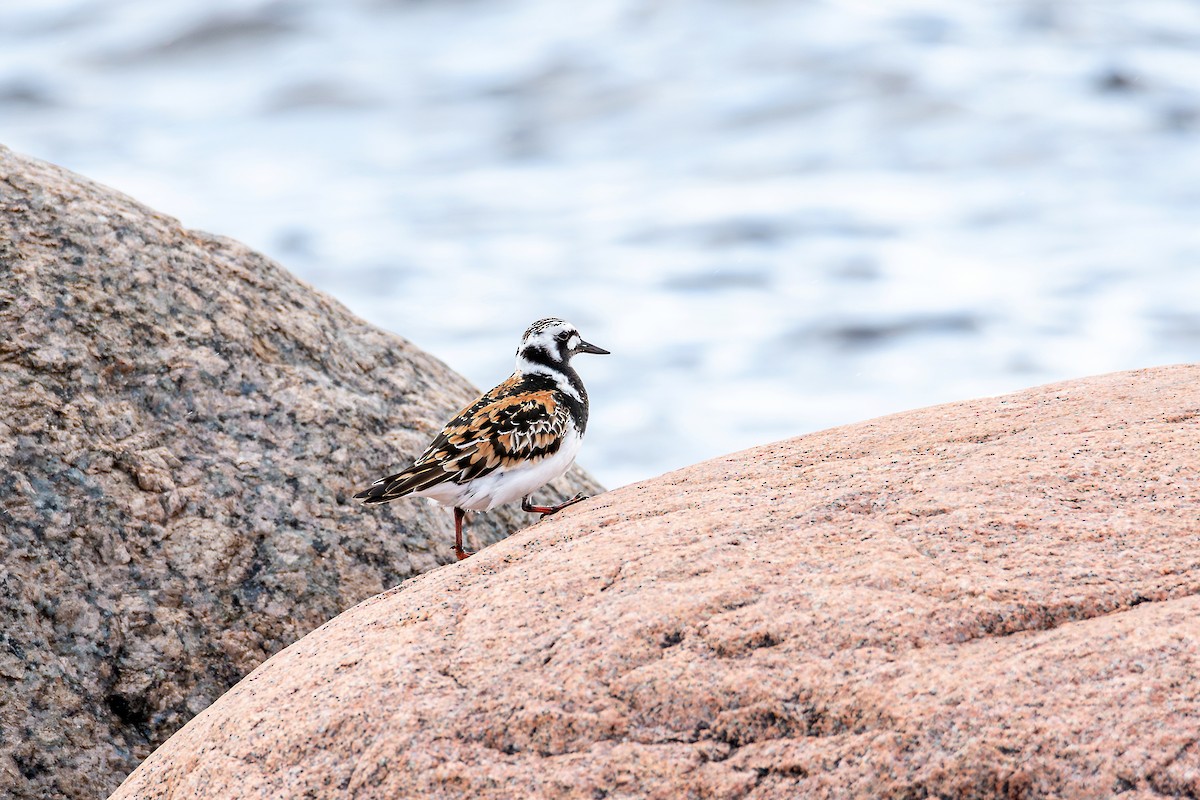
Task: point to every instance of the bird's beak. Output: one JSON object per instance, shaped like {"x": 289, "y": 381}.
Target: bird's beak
{"x": 586, "y": 347}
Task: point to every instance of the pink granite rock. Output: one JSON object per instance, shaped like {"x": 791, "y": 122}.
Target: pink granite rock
{"x": 182, "y": 424}
{"x": 994, "y": 598}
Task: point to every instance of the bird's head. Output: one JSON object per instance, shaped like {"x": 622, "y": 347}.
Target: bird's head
{"x": 551, "y": 342}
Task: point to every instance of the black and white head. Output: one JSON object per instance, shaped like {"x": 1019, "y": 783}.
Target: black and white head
{"x": 549, "y": 344}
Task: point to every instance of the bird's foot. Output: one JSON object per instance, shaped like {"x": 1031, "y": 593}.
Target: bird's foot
{"x": 459, "y": 517}
{"x": 546, "y": 511}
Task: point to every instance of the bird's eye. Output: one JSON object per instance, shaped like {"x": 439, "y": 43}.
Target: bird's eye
{"x": 562, "y": 337}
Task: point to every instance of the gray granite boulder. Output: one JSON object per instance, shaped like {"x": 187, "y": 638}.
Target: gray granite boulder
{"x": 182, "y": 424}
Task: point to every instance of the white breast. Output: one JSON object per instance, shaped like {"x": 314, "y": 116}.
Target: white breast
{"x": 507, "y": 485}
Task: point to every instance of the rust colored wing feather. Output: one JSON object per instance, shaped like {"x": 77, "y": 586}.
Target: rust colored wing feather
{"x": 520, "y": 420}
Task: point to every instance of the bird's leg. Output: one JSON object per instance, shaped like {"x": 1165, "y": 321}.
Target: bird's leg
{"x": 546, "y": 511}
{"x": 459, "y": 516}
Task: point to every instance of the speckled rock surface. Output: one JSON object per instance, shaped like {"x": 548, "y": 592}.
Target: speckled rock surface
{"x": 182, "y": 425}
{"x": 995, "y": 598}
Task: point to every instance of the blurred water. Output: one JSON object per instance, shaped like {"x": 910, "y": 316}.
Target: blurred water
{"x": 779, "y": 216}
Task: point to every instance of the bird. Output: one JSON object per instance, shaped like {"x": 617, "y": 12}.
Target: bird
{"x": 509, "y": 442}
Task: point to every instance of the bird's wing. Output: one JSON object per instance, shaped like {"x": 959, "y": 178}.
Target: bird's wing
{"x": 507, "y": 426}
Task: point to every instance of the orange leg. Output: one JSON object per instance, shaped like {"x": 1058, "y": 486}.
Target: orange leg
{"x": 459, "y": 516}
{"x": 546, "y": 511}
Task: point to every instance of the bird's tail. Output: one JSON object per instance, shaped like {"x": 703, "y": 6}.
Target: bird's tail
{"x": 413, "y": 479}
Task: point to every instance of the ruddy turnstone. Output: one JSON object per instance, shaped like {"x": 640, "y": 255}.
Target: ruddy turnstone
{"x": 511, "y": 441}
